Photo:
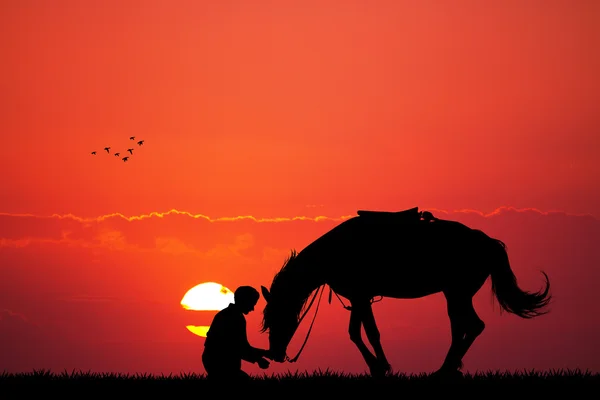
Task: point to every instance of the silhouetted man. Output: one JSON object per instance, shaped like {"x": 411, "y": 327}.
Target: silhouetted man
{"x": 226, "y": 343}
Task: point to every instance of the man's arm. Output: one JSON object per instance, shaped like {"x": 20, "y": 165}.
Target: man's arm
{"x": 249, "y": 353}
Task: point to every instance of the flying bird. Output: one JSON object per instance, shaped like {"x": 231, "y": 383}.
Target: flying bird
{"x": 107, "y": 149}
{"x": 130, "y": 151}
{"x": 93, "y": 153}
{"x": 117, "y": 154}
{"x": 125, "y": 159}
{"x": 141, "y": 142}
{"x": 132, "y": 138}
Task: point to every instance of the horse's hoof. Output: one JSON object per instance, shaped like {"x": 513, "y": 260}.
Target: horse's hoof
{"x": 377, "y": 373}
{"x": 447, "y": 374}
{"x": 381, "y": 370}
{"x": 387, "y": 369}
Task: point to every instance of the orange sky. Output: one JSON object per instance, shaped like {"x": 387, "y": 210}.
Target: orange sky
{"x": 278, "y": 110}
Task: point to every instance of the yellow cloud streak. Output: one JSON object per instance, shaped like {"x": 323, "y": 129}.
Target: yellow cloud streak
{"x": 177, "y": 212}
{"x": 157, "y": 214}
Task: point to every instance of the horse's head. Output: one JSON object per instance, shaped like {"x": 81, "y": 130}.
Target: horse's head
{"x": 281, "y": 321}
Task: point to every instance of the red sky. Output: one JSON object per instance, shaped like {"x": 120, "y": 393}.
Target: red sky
{"x": 279, "y": 110}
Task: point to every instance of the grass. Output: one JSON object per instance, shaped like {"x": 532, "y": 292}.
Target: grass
{"x": 284, "y": 385}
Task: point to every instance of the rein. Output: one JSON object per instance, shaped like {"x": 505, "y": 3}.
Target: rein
{"x": 311, "y": 324}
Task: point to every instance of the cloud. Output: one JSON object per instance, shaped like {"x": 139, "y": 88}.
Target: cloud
{"x": 8, "y": 317}
{"x": 19, "y": 337}
{"x": 154, "y": 231}
{"x": 164, "y": 231}
{"x": 246, "y": 242}
{"x": 156, "y": 214}
{"x": 173, "y": 245}
{"x": 244, "y": 239}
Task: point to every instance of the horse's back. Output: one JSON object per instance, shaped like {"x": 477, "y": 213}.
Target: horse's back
{"x": 382, "y": 236}
{"x": 397, "y": 256}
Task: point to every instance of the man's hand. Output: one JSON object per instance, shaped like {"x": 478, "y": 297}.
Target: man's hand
{"x": 263, "y": 363}
{"x": 265, "y": 353}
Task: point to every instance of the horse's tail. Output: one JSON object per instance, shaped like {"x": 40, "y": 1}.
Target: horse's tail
{"x": 510, "y": 296}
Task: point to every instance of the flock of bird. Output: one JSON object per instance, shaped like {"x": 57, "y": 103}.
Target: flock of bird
{"x": 130, "y": 150}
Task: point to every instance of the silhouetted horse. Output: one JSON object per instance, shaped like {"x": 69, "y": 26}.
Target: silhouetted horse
{"x": 403, "y": 255}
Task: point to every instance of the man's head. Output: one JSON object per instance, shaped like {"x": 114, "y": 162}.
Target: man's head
{"x": 245, "y": 298}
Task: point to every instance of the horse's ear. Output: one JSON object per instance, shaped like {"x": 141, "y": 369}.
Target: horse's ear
{"x": 265, "y": 293}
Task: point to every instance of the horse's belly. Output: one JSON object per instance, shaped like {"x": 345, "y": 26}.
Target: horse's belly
{"x": 394, "y": 282}
{"x": 409, "y": 290}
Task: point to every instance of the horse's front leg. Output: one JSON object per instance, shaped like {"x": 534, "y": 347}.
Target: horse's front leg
{"x": 356, "y": 337}
{"x": 374, "y": 337}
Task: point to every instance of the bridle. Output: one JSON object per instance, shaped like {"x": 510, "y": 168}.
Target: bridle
{"x": 319, "y": 292}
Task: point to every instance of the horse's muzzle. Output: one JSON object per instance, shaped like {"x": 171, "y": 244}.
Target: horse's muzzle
{"x": 277, "y": 357}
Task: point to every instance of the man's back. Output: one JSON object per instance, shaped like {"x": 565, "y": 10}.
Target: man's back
{"x": 225, "y": 338}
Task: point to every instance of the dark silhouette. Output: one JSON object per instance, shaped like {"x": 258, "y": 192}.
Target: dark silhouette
{"x": 141, "y": 142}
{"x": 107, "y": 149}
{"x": 130, "y": 151}
{"x": 93, "y": 153}
{"x": 125, "y": 158}
{"x": 226, "y": 342}
{"x": 404, "y": 255}
{"x": 132, "y": 138}
{"x": 117, "y": 154}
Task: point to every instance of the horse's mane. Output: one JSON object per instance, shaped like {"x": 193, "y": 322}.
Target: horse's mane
{"x": 278, "y": 285}
{"x": 284, "y": 269}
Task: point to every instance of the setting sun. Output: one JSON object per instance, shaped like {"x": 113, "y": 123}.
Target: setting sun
{"x": 207, "y": 296}
{"x": 198, "y": 330}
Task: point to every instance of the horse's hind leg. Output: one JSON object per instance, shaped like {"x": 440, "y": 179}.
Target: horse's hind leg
{"x": 465, "y": 326}
{"x": 474, "y": 326}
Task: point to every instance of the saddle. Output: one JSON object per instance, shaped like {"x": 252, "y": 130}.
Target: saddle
{"x": 409, "y": 215}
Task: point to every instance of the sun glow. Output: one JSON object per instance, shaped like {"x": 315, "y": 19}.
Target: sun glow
{"x": 198, "y": 330}
{"x": 207, "y": 296}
